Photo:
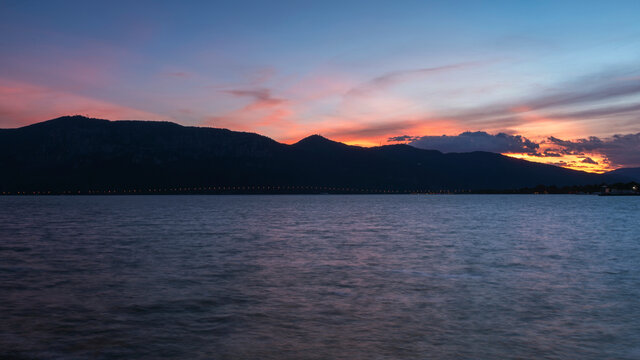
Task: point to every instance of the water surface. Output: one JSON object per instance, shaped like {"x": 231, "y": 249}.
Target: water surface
{"x": 316, "y": 277}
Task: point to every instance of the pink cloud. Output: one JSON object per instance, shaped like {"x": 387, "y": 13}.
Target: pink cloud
{"x": 264, "y": 113}
{"x": 90, "y": 66}
{"x": 22, "y": 104}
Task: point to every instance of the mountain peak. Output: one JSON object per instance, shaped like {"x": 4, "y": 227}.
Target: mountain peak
{"x": 317, "y": 141}
{"x": 314, "y": 139}
{"x": 80, "y": 153}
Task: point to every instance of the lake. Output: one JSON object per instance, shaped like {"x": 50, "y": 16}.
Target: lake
{"x": 320, "y": 276}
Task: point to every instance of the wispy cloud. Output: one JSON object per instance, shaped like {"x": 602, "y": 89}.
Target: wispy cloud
{"x": 261, "y": 97}
{"x": 612, "y": 94}
{"x": 604, "y": 111}
{"x": 369, "y": 130}
{"x": 178, "y": 74}
{"x": 396, "y": 77}
{"x": 560, "y": 102}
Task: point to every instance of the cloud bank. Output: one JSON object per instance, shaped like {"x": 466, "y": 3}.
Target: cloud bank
{"x": 622, "y": 150}
{"x": 473, "y": 141}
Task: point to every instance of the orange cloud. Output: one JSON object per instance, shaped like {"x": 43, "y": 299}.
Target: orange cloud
{"x": 592, "y": 162}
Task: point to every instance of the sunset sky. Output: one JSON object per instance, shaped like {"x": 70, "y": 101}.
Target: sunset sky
{"x": 550, "y": 81}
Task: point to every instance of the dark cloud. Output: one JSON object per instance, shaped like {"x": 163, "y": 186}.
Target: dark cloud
{"x": 550, "y": 153}
{"x": 580, "y": 145}
{"x": 477, "y": 141}
{"x": 622, "y": 150}
{"x": 403, "y": 138}
{"x": 618, "y": 150}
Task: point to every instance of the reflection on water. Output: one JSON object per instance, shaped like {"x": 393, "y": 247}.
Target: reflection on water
{"x": 316, "y": 277}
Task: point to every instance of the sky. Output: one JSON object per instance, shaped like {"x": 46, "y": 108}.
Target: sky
{"x": 548, "y": 81}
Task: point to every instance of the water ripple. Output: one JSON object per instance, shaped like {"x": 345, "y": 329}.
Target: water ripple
{"x": 317, "y": 277}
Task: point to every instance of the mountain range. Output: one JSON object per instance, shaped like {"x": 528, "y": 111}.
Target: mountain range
{"x": 628, "y": 173}
{"x": 79, "y": 154}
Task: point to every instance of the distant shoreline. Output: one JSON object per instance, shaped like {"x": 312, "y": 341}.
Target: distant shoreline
{"x": 617, "y": 189}
{"x": 38, "y": 194}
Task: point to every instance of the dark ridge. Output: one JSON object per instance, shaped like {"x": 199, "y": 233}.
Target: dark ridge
{"x": 314, "y": 139}
{"x": 76, "y": 153}
{"x": 317, "y": 142}
{"x": 69, "y": 121}
{"x": 631, "y": 173}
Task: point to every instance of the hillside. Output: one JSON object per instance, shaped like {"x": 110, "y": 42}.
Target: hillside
{"x": 81, "y": 154}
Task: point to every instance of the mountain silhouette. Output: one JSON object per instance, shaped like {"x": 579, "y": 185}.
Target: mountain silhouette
{"x": 631, "y": 173}
{"x": 75, "y": 153}
{"x": 319, "y": 143}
